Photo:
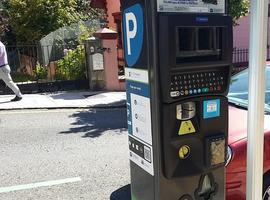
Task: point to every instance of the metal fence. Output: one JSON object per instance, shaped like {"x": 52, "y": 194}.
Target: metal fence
{"x": 22, "y": 59}
{"x": 67, "y": 62}
{"x": 241, "y": 59}
{"x": 241, "y": 56}
{"x": 51, "y": 62}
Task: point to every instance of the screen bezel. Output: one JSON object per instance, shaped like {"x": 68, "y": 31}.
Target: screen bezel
{"x": 218, "y": 54}
{"x": 167, "y": 40}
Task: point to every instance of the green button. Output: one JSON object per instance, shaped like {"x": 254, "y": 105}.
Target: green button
{"x": 204, "y": 90}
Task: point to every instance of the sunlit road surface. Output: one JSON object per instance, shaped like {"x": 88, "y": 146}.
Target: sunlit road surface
{"x": 62, "y": 154}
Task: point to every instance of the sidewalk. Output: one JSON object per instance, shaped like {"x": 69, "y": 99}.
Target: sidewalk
{"x": 65, "y": 100}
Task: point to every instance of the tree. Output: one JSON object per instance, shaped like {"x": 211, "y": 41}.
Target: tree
{"x": 3, "y": 17}
{"x": 238, "y": 8}
{"x": 31, "y": 20}
{"x": 84, "y": 7}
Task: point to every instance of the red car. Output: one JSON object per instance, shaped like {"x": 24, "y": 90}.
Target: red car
{"x": 236, "y": 164}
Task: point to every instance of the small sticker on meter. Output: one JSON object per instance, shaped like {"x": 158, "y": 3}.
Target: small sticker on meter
{"x": 186, "y": 127}
{"x": 211, "y": 108}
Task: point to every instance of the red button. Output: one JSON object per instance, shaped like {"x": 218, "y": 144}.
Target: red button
{"x": 211, "y": 89}
{"x": 219, "y": 88}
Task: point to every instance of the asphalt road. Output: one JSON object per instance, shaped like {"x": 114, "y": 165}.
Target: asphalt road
{"x": 87, "y": 146}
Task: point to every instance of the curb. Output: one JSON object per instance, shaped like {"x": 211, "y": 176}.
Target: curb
{"x": 70, "y": 107}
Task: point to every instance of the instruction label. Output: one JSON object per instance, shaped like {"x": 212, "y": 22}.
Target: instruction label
{"x": 139, "y": 118}
{"x": 186, "y": 127}
{"x": 191, "y": 6}
{"x": 137, "y": 87}
{"x": 141, "y": 154}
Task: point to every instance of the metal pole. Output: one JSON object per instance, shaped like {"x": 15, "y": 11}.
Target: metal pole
{"x": 257, "y": 62}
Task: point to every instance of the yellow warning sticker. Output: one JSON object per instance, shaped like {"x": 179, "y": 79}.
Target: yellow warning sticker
{"x": 186, "y": 127}
{"x": 184, "y": 152}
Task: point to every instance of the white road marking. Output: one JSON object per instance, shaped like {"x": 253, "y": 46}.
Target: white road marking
{"x": 40, "y": 184}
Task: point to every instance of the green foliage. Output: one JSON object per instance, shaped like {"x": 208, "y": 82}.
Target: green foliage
{"x": 238, "y": 8}
{"x": 72, "y": 66}
{"x": 19, "y": 77}
{"x": 41, "y": 72}
{"x": 82, "y": 33}
{"x": 89, "y": 13}
{"x": 85, "y": 32}
{"x": 33, "y": 19}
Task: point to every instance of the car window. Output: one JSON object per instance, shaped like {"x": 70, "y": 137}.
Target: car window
{"x": 239, "y": 86}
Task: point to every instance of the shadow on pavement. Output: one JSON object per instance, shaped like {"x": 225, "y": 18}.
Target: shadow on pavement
{"x": 67, "y": 96}
{"x": 93, "y": 123}
{"x": 115, "y": 104}
{"x": 73, "y": 95}
{"x": 3, "y": 102}
{"x": 122, "y": 193}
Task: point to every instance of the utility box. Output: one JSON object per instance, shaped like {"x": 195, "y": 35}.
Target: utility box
{"x": 178, "y": 63}
{"x": 95, "y": 63}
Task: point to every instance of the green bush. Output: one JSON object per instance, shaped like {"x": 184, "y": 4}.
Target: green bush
{"x": 41, "y": 72}
{"x": 19, "y": 77}
{"x": 72, "y": 65}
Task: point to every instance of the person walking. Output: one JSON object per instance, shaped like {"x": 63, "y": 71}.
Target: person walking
{"x": 5, "y": 73}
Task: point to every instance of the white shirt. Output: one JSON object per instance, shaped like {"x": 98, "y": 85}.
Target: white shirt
{"x": 3, "y": 55}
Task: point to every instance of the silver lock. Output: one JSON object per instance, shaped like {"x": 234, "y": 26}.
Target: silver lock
{"x": 185, "y": 111}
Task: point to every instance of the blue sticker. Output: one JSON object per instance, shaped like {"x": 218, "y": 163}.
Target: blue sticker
{"x": 133, "y": 33}
{"x": 211, "y": 108}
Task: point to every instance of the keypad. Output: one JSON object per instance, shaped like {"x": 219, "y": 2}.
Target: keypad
{"x": 190, "y": 84}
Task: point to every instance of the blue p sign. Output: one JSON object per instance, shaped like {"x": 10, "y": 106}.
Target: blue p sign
{"x": 133, "y": 33}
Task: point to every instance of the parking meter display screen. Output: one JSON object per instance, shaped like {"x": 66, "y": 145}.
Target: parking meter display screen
{"x": 198, "y": 44}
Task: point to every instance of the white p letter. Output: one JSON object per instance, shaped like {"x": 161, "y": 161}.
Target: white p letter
{"x": 130, "y": 17}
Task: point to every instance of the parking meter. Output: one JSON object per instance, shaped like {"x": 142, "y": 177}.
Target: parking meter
{"x": 178, "y": 63}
